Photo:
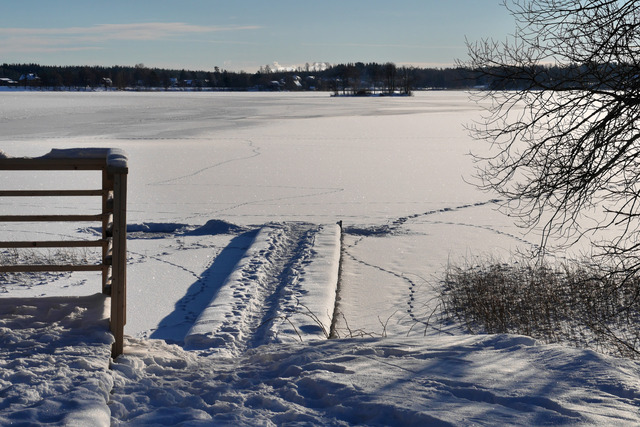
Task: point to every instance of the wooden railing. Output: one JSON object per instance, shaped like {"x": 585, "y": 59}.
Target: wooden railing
{"x": 113, "y": 164}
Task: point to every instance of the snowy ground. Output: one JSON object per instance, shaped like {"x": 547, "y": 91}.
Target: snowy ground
{"x": 233, "y": 256}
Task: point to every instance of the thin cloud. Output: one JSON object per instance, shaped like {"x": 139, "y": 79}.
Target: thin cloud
{"x": 141, "y": 31}
{"x": 427, "y": 64}
{"x": 80, "y": 38}
{"x": 384, "y": 45}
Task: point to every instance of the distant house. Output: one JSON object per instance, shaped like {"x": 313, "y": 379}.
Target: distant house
{"x": 5, "y": 81}
{"x": 275, "y": 85}
{"x": 30, "y": 79}
{"x": 311, "y": 82}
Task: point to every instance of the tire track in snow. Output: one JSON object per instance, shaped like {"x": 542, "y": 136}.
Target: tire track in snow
{"x": 253, "y": 306}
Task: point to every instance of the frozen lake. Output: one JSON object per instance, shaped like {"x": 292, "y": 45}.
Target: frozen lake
{"x": 392, "y": 169}
{"x": 253, "y": 157}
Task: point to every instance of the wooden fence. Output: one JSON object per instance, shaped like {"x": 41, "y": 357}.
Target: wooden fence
{"x": 113, "y": 165}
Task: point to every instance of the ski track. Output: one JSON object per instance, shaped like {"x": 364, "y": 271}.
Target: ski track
{"x": 320, "y": 192}
{"x": 264, "y": 293}
{"x": 402, "y": 220}
{"x": 255, "y": 152}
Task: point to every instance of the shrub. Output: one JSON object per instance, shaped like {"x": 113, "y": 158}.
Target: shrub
{"x": 30, "y": 256}
{"x": 575, "y": 303}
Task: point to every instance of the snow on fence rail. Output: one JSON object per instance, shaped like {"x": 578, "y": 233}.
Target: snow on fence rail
{"x": 113, "y": 164}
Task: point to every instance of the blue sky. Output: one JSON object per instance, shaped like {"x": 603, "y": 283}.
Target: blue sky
{"x": 245, "y": 34}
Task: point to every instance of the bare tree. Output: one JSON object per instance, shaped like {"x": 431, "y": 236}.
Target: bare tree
{"x": 563, "y": 116}
{"x": 390, "y": 71}
{"x": 406, "y": 80}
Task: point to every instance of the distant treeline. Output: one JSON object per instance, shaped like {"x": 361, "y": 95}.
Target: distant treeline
{"x": 352, "y": 78}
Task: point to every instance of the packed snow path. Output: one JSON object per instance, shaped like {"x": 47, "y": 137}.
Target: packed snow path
{"x": 282, "y": 290}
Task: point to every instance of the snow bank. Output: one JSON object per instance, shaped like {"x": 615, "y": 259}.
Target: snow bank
{"x": 461, "y": 380}
{"x": 54, "y": 360}
{"x": 319, "y": 279}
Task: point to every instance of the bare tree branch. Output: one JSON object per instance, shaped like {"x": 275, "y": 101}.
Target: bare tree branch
{"x": 563, "y": 120}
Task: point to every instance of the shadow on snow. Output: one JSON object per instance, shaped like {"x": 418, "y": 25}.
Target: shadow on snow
{"x": 175, "y": 326}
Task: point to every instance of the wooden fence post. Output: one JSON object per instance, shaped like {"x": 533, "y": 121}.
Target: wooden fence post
{"x": 119, "y": 270}
{"x": 107, "y": 206}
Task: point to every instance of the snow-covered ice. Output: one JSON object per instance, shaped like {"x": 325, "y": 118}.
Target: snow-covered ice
{"x": 233, "y": 256}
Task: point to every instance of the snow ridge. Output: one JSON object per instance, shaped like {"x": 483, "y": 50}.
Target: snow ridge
{"x": 263, "y": 300}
